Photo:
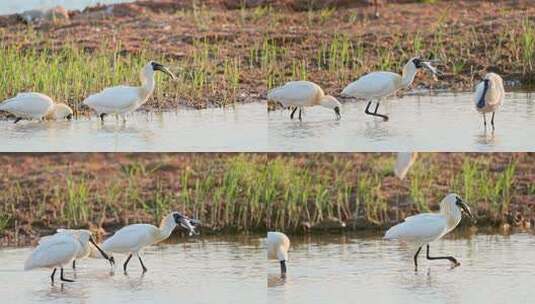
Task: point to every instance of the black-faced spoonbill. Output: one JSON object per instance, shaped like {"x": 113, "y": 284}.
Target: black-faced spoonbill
{"x": 85, "y": 245}
{"x": 404, "y": 162}
{"x": 277, "y": 248}
{"x": 35, "y": 106}
{"x": 60, "y": 249}
{"x": 132, "y": 239}
{"x": 379, "y": 85}
{"x": 121, "y": 100}
{"x": 299, "y": 94}
{"x": 489, "y": 96}
{"x": 425, "y": 228}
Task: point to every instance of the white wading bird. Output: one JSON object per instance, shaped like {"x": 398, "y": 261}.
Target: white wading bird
{"x": 489, "y": 96}
{"x": 60, "y": 249}
{"x": 299, "y": 94}
{"x": 379, "y": 85}
{"x": 425, "y": 228}
{"x": 85, "y": 244}
{"x": 277, "y": 248}
{"x": 121, "y": 100}
{"x": 132, "y": 239}
{"x": 35, "y": 106}
{"x": 404, "y": 162}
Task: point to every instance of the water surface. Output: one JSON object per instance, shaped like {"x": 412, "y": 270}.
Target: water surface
{"x": 11, "y": 7}
{"x": 322, "y": 269}
{"x": 444, "y": 122}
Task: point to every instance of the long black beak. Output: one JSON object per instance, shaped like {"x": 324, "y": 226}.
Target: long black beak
{"x": 466, "y": 209}
{"x": 337, "y": 112}
{"x": 107, "y": 257}
{"x": 163, "y": 69}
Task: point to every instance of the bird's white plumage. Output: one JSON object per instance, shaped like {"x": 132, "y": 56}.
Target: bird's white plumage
{"x": 132, "y": 238}
{"x": 28, "y": 105}
{"x": 277, "y": 246}
{"x": 494, "y": 95}
{"x": 116, "y": 100}
{"x": 404, "y": 162}
{"x": 297, "y": 93}
{"x": 54, "y": 251}
{"x": 304, "y": 93}
{"x": 373, "y": 85}
{"x": 424, "y": 228}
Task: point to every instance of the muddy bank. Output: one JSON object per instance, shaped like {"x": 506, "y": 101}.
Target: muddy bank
{"x": 254, "y": 192}
{"x": 234, "y": 54}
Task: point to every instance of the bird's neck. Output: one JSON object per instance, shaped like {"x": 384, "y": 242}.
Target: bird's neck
{"x": 167, "y": 226}
{"x": 409, "y": 72}
{"x": 453, "y": 215}
{"x": 147, "y": 85}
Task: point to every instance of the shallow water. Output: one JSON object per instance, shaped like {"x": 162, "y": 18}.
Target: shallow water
{"x": 444, "y": 122}
{"x": 19, "y": 6}
{"x": 322, "y": 269}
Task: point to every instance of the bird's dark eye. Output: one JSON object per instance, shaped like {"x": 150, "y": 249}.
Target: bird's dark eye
{"x": 417, "y": 62}
{"x": 459, "y": 201}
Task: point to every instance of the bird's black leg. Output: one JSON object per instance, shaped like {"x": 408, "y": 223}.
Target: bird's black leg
{"x": 374, "y": 113}
{"x": 293, "y": 112}
{"x": 416, "y": 259}
{"x": 63, "y": 278}
{"x": 73, "y": 264}
{"x": 17, "y": 120}
{"x": 300, "y": 110}
{"x": 484, "y": 120}
{"x": 102, "y": 115}
{"x": 283, "y": 267}
{"x": 492, "y": 120}
{"x": 143, "y": 266}
{"x": 126, "y": 262}
{"x": 450, "y": 258}
{"x": 52, "y": 275}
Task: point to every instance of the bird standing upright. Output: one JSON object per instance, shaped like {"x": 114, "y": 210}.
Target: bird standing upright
{"x": 121, "y": 100}
{"x": 424, "y": 228}
{"x": 488, "y": 96}
{"x": 378, "y": 85}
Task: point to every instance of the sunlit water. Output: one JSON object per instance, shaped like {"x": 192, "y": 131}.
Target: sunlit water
{"x": 444, "y": 122}
{"x": 18, "y": 6}
{"x": 322, "y": 269}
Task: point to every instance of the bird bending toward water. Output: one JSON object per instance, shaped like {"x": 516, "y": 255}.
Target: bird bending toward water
{"x": 488, "y": 96}
{"x": 277, "y": 249}
{"x": 300, "y": 94}
{"x": 424, "y": 228}
{"x": 60, "y": 249}
{"x": 35, "y": 106}
{"x": 121, "y": 100}
{"x": 379, "y": 85}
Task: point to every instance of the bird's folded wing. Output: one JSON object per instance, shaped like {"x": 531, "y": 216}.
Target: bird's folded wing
{"x": 114, "y": 98}
{"x": 129, "y": 237}
{"x": 424, "y": 227}
{"x": 372, "y": 84}
{"x": 54, "y": 251}
{"x": 294, "y": 92}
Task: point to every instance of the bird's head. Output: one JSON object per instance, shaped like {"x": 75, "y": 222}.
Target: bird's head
{"x": 453, "y": 201}
{"x": 330, "y": 102}
{"x": 62, "y": 111}
{"x": 422, "y": 64}
{"x": 154, "y": 66}
{"x": 185, "y": 223}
